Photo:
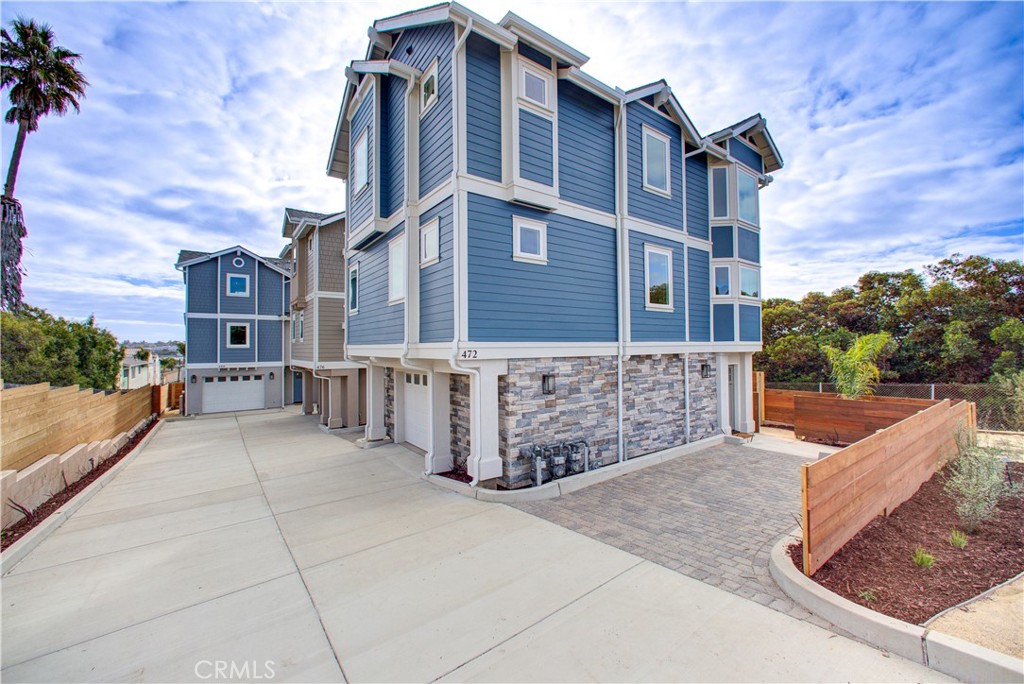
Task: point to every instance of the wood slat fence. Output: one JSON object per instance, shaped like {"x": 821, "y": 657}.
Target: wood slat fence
{"x": 830, "y": 419}
{"x": 36, "y": 421}
{"x": 845, "y": 491}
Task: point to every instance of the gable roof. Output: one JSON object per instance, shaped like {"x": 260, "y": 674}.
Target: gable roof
{"x": 757, "y": 126}
{"x": 188, "y": 257}
{"x": 663, "y": 96}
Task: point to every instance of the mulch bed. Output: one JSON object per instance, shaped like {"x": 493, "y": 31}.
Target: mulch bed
{"x": 458, "y": 476}
{"x": 878, "y": 559}
{"x": 48, "y": 507}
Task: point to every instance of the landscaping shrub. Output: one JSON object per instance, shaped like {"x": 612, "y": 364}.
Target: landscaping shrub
{"x": 922, "y": 558}
{"x": 976, "y": 481}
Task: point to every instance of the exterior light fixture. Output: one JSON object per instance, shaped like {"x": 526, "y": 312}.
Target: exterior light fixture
{"x": 705, "y": 370}
{"x": 192, "y": 380}
{"x": 271, "y": 375}
{"x": 548, "y": 384}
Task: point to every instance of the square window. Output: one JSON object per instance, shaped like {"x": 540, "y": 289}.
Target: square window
{"x": 396, "y": 270}
{"x": 238, "y": 335}
{"x": 535, "y": 85}
{"x": 747, "y": 187}
{"x": 658, "y": 276}
{"x": 429, "y": 245}
{"x": 720, "y": 192}
{"x": 750, "y": 282}
{"x": 529, "y": 240}
{"x": 237, "y": 285}
{"x": 722, "y": 278}
{"x": 353, "y": 289}
{"x": 428, "y": 88}
{"x": 657, "y": 165}
{"x": 360, "y": 163}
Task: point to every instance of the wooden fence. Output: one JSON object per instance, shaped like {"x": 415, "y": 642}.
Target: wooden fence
{"x": 167, "y": 397}
{"x": 36, "y": 420}
{"x": 832, "y": 420}
{"x": 779, "y": 408}
{"x": 843, "y": 492}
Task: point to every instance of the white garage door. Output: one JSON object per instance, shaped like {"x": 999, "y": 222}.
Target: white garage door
{"x": 417, "y": 410}
{"x": 232, "y": 393}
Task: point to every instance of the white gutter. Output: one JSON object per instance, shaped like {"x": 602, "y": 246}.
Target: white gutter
{"x": 623, "y": 256}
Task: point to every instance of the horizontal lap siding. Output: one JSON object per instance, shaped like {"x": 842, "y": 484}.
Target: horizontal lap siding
{"x": 202, "y": 287}
{"x": 586, "y": 148}
{"x": 428, "y": 42}
{"x": 648, "y": 205}
{"x": 483, "y": 108}
{"x": 535, "y": 55}
{"x": 700, "y": 295}
{"x": 750, "y": 323}
{"x": 362, "y": 200}
{"x": 331, "y": 262}
{"x": 437, "y": 313}
{"x": 331, "y": 319}
{"x": 746, "y": 155}
{"x": 721, "y": 242}
{"x": 239, "y": 355}
{"x": 748, "y": 245}
{"x": 697, "y": 196}
{"x": 724, "y": 326}
{"x": 571, "y": 298}
{"x": 269, "y": 336}
{"x": 237, "y": 305}
{"x": 376, "y": 322}
{"x": 271, "y": 297}
{"x": 656, "y": 326}
{"x": 201, "y": 345}
{"x": 536, "y": 151}
{"x": 392, "y": 145}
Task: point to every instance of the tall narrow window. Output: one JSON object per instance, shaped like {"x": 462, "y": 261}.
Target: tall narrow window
{"x": 720, "y": 192}
{"x": 656, "y": 161}
{"x": 747, "y": 186}
{"x": 396, "y": 270}
{"x": 428, "y": 89}
{"x": 353, "y": 290}
{"x": 722, "y": 278}
{"x": 750, "y": 282}
{"x": 429, "y": 246}
{"x": 360, "y": 163}
{"x": 302, "y": 323}
{"x": 658, "y": 275}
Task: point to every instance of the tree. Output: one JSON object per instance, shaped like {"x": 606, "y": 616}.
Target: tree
{"x": 181, "y": 348}
{"x": 142, "y": 354}
{"x": 41, "y": 78}
{"x": 1009, "y": 335}
{"x": 854, "y": 371}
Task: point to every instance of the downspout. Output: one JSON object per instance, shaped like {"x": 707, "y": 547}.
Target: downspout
{"x": 315, "y": 265}
{"x": 686, "y": 394}
{"x": 686, "y": 355}
{"x": 623, "y": 247}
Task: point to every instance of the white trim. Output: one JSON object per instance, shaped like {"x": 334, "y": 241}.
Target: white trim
{"x": 431, "y": 227}
{"x": 666, "y": 233}
{"x": 520, "y": 222}
{"x": 739, "y": 290}
{"x": 302, "y": 325}
{"x": 714, "y": 280}
{"x": 227, "y": 285}
{"x": 232, "y": 367}
{"x": 711, "y": 194}
{"x": 546, "y": 78}
{"x": 562, "y": 52}
{"x": 349, "y": 291}
{"x": 227, "y": 335}
{"x": 259, "y": 317}
{"x": 592, "y": 85}
{"x": 666, "y": 252}
{"x": 396, "y": 246}
{"x": 646, "y": 132}
{"x": 431, "y": 72}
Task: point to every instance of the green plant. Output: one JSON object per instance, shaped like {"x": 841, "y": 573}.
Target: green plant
{"x": 922, "y": 558}
{"x": 976, "y": 481}
{"x": 957, "y": 539}
{"x": 854, "y": 371}
{"x": 867, "y": 595}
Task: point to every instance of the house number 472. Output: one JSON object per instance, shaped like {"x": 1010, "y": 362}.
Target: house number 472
{"x": 468, "y": 354}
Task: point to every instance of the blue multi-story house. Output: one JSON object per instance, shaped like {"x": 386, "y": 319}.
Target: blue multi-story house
{"x": 535, "y": 257}
{"x": 236, "y": 314}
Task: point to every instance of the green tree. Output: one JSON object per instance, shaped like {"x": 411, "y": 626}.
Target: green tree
{"x": 142, "y": 354}
{"x": 1009, "y": 335}
{"x": 854, "y": 371}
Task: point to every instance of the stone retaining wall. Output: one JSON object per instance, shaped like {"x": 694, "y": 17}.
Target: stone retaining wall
{"x": 389, "y": 402}
{"x": 703, "y": 398}
{"x": 458, "y": 387}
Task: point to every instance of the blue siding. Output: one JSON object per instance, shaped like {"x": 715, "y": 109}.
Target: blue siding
{"x": 586, "y": 148}
{"x": 483, "y": 108}
{"x": 202, "y": 287}
{"x": 749, "y": 245}
{"x": 697, "y": 196}
{"x": 269, "y": 335}
{"x": 746, "y": 154}
{"x": 437, "y": 312}
{"x": 641, "y": 203}
{"x": 534, "y": 55}
{"x": 237, "y": 305}
{"x": 201, "y": 342}
{"x": 700, "y": 295}
{"x": 436, "y": 153}
{"x": 536, "y": 148}
{"x": 362, "y": 201}
{"x": 376, "y": 322}
{"x": 270, "y": 291}
{"x": 241, "y": 355}
{"x": 392, "y": 145}
{"x": 724, "y": 328}
{"x": 571, "y": 298}
{"x": 655, "y": 326}
{"x": 750, "y": 323}
{"x": 721, "y": 242}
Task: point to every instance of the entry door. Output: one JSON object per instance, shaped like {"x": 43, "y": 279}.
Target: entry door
{"x": 416, "y": 420}
{"x": 233, "y": 393}
{"x": 297, "y": 387}
{"x": 732, "y": 396}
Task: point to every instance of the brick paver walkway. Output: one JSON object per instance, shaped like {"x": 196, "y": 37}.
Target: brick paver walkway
{"x": 713, "y": 515}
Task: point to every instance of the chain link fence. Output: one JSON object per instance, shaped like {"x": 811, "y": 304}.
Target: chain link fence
{"x": 995, "y": 411}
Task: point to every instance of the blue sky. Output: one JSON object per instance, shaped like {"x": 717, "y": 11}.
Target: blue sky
{"x": 902, "y": 127}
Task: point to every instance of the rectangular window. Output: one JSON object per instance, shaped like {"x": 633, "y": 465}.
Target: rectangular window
{"x": 353, "y": 289}
{"x": 428, "y": 89}
{"x": 658, "y": 277}
{"x": 529, "y": 240}
{"x": 722, "y": 278}
{"x": 535, "y": 85}
{"x": 720, "y": 192}
{"x": 360, "y": 163}
{"x": 309, "y": 244}
{"x": 750, "y": 282}
{"x": 237, "y": 285}
{"x": 238, "y": 335}
{"x": 295, "y": 326}
{"x": 657, "y": 163}
{"x": 207, "y": 379}
{"x": 302, "y": 322}
{"x": 396, "y": 270}
{"x": 429, "y": 245}
{"x": 747, "y": 186}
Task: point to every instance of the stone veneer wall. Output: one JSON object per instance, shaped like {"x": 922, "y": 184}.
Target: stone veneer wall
{"x": 703, "y": 398}
{"x": 654, "y": 403}
{"x": 458, "y": 387}
{"x": 582, "y": 407}
{"x": 389, "y": 402}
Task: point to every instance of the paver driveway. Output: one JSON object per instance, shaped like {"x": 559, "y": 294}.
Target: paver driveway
{"x": 260, "y": 543}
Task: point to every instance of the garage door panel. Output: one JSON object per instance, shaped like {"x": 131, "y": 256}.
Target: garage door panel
{"x": 232, "y": 393}
{"x": 417, "y": 410}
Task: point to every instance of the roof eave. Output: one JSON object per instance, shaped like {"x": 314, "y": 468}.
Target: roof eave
{"x": 533, "y": 34}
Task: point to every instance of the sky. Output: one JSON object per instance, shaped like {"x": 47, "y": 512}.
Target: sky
{"x": 901, "y": 125}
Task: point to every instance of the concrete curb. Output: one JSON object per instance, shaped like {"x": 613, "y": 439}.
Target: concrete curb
{"x": 947, "y": 654}
{"x": 17, "y": 551}
{"x": 556, "y": 488}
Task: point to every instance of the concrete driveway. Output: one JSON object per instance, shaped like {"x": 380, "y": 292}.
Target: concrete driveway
{"x": 256, "y": 547}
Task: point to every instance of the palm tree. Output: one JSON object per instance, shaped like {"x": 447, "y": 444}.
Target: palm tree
{"x": 854, "y": 371}
{"x": 41, "y": 79}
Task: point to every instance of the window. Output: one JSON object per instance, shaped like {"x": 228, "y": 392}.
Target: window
{"x": 747, "y": 186}
{"x": 535, "y": 85}
{"x": 295, "y": 326}
{"x": 207, "y": 379}
{"x": 360, "y": 163}
{"x": 429, "y": 245}
{"x": 237, "y": 285}
{"x": 658, "y": 277}
{"x": 302, "y": 322}
{"x": 722, "y": 278}
{"x": 428, "y": 89}
{"x": 529, "y": 240}
{"x": 657, "y": 169}
{"x": 396, "y": 270}
{"x": 750, "y": 282}
{"x": 309, "y": 244}
{"x": 238, "y": 335}
{"x": 222, "y": 379}
{"x": 353, "y": 289}
{"x": 720, "y": 192}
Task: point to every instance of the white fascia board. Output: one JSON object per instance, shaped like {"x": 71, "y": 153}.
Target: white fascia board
{"x": 485, "y": 27}
{"x": 533, "y": 34}
{"x": 385, "y": 66}
{"x": 328, "y": 220}
{"x": 237, "y": 248}
{"x": 304, "y": 227}
{"x": 645, "y": 91}
{"x": 684, "y": 117}
{"x": 436, "y": 14}
{"x": 773, "y": 148}
{"x": 339, "y": 152}
{"x": 592, "y": 85}
{"x": 285, "y": 250}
